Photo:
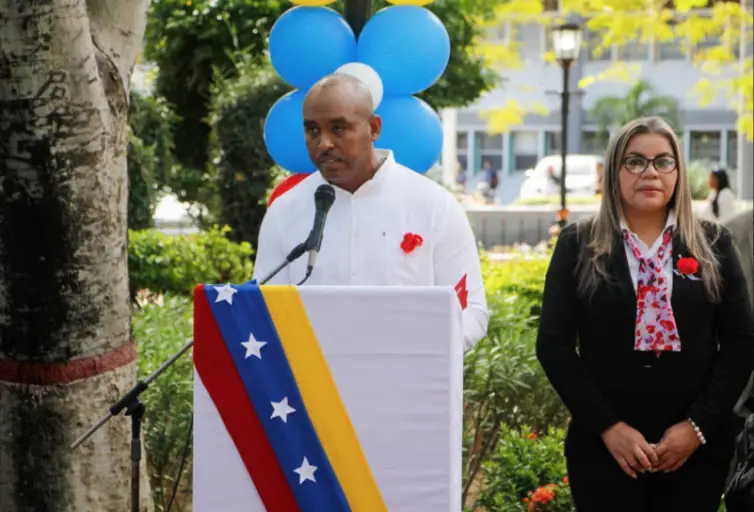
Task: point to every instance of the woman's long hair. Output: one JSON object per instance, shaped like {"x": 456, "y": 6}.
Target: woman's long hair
{"x": 723, "y": 182}
{"x": 605, "y": 227}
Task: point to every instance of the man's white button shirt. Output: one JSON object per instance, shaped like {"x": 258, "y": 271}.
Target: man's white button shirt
{"x": 363, "y": 235}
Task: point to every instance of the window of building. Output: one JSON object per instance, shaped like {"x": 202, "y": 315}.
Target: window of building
{"x": 705, "y": 145}
{"x": 490, "y": 149}
{"x": 552, "y": 143}
{"x": 633, "y": 51}
{"x": 732, "y": 162}
{"x": 594, "y": 49}
{"x": 525, "y": 154}
{"x": 592, "y": 143}
{"x": 675, "y": 49}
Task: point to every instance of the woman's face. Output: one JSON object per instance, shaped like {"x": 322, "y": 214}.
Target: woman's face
{"x": 713, "y": 181}
{"x": 648, "y": 173}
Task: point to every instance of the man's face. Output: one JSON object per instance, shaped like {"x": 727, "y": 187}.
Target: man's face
{"x": 339, "y": 134}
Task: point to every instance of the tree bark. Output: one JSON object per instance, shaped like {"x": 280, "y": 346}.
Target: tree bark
{"x": 66, "y": 352}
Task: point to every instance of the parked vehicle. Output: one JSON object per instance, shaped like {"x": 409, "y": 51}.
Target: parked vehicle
{"x": 583, "y": 176}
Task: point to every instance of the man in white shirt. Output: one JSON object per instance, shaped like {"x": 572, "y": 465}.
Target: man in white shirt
{"x": 388, "y": 226}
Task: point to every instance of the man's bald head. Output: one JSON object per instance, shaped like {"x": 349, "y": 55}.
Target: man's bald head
{"x": 345, "y": 89}
{"x": 340, "y": 128}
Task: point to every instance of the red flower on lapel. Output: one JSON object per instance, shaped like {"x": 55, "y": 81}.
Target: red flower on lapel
{"x": 410, "y": 242}
{"x": 687, "y": 267}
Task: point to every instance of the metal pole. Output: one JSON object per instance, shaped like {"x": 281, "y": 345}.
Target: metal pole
{"x": 565, "y": 99}
{"x": 356, "y": 13}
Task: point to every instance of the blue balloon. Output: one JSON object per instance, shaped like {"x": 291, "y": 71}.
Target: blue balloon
{"x": 408, "y": 46}
{"x": 284, "y": 133}
{"x": 307, "y": 43}
{"x": 412, "y": 130}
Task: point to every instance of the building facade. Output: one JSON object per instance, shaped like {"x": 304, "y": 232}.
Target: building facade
{"x": 709, "y": 132}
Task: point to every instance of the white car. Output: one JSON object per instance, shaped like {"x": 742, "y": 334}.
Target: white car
{"x": 583, "y": 175}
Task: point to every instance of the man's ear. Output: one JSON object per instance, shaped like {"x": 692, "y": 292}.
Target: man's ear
{"x": 375, "y": 127}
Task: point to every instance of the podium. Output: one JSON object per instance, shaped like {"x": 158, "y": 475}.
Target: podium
{"x": 322, "y": 399}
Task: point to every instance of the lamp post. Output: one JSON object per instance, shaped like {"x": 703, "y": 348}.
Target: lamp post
{"x": 566, "y": 41}
{"x": 356, "y": 13}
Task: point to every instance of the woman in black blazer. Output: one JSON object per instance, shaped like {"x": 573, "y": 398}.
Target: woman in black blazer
{"x": 647, "y": 335}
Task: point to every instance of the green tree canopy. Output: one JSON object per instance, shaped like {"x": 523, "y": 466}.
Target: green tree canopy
{"x": 194, "y": 42}
{"x": 640, "y": 101}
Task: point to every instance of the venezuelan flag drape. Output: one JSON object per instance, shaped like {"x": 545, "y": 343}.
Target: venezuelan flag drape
{"x": 262, "y": 365}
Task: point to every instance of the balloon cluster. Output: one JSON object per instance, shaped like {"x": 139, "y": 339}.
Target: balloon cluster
{"x": 402, "y": 50}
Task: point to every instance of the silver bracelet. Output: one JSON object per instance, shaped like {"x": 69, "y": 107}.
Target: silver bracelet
{"x": 698, "y": 431}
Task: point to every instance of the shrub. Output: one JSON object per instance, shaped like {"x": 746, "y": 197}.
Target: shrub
{"x": 142, "y": 197}
{"x": 150, "y": 162}
{"x": 504, "y": 385}
{"x": 245, "y": 170}
{"x": 521, "y": 464}
{"x": 697, "y": 172}
{"x": 160, "y": 330}
{"x": 162, "y": 263}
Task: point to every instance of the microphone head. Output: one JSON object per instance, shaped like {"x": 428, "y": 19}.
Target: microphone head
{"x": 324, "y": 197}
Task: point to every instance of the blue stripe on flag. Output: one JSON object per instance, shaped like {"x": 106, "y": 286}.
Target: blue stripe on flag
{"x": 268, "y": 380}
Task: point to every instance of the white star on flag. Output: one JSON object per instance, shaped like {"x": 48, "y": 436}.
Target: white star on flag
{"x": 305, "y": 472}
{"x": 253, "y": 347}
{"x": 225, "y": 293}
{"x": 281, "y": 410}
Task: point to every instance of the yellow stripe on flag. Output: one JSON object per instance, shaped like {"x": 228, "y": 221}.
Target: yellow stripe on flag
{"x": 322, "y": 400}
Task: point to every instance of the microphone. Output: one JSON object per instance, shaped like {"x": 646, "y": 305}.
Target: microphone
{"x": 323, "y": 200}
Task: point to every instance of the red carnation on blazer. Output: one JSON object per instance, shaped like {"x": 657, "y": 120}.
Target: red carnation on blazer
{"x": 410, "y": 242}
{"x": 687, "y": 267}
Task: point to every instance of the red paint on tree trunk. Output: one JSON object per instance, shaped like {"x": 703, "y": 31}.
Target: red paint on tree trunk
{"x": 35, "y": 373}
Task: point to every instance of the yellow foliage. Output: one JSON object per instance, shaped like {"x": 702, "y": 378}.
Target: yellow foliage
{"x": 704, "y": 91}
{"x": 687, "y": 5}
{"x": 617, "y": 72}
{"x": 618, "y": 23}
{"x": 500, "y": 120}
{"x": 524, "y": 10}
{"x": 501, "y": 55}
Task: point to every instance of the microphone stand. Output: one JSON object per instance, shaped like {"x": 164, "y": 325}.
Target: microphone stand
{"x": 135, "y": 408}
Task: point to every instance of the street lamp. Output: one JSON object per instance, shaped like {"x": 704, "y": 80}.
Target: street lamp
{"x": 566, "y": 41}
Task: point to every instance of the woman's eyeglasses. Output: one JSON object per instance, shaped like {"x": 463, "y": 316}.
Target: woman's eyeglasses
{"x": 638, "y": 164}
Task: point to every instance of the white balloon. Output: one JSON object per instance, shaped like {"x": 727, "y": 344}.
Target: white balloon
{"x": 368, "y": 77}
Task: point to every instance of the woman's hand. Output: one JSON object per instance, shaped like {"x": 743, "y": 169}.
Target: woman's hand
{"x": 676, "y": 446}
{"x": 629, "y": 448}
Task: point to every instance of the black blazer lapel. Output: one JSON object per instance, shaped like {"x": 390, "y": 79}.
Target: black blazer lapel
{"x": 617, "y": 266}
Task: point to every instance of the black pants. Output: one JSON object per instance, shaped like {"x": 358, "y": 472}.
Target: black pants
{"x": 598, "y": 484}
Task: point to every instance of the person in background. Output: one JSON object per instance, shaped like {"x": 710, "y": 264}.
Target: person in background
{"x": 721, "y": 202}
{"x": 487, "y": 187}
{"x": 647, "y": 335}
{"x": 741, "y": 227}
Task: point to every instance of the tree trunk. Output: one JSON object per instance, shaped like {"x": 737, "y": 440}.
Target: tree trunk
{"x": 65, "y": 343}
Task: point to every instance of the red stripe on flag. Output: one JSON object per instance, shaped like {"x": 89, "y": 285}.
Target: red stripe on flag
{"x": 219, "y": 374}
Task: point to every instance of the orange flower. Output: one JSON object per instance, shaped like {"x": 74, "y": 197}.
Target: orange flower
{"x": 565, "y": 480}
{"x": 532, "y": 436}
